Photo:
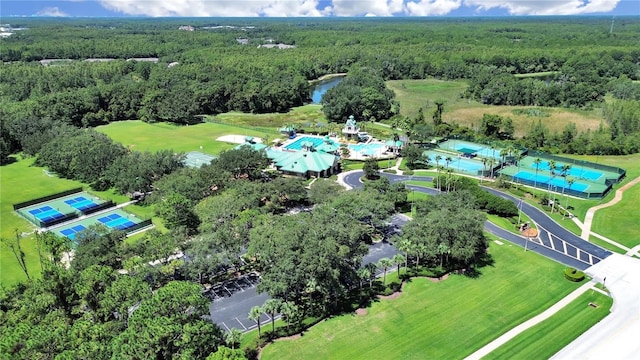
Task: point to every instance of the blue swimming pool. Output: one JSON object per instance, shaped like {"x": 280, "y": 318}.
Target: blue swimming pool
{"x": 297, "y": 145}
{"x": 367, "y": 149}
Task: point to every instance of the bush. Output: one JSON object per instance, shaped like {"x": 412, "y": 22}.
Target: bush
{"x": 389, "y": 171}
{"x": 407, "y": 172}
{"x": 574, "y": 275}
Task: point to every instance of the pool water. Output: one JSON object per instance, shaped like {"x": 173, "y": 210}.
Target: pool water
{"x": 297, "y": 145}
{"x": 367, "y": 149}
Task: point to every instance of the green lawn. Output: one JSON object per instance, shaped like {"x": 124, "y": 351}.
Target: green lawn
{"x": 450, "y": 319}
{"x": 619, "y": 222}
{"x": 550, "y": 336}
{"x": 310, "y": 114}
{"x": 142, "y": 136}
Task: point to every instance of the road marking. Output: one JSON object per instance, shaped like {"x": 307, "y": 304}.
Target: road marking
{"x": 564, "y": 245}
{"x": 241, "y": 324}
{"x": 226, "y": 327}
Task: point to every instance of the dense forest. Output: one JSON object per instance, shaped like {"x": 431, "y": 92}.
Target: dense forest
{"x": 208, "y": 71}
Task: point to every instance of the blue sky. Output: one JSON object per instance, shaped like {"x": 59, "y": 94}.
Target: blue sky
{"x": 282, "y": 8}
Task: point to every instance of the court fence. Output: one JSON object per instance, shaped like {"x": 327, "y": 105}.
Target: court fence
{"x": 106, "y": 205}
{"x": 139, "y": 226}
{"x": 566, "y": 191}
{"x": 64, "y": 218}
{"x": 46, "y": 198}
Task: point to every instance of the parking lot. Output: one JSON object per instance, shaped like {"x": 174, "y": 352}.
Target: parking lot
{"x": 232, "y": 300}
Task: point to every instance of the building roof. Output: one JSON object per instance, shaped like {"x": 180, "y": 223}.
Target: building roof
{"x": 302, "y": 161}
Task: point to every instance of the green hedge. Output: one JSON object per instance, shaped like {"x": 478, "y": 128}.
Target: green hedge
{"x": 574, "y": 275}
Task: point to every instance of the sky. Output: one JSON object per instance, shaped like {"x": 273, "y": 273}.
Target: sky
{"x": 313, "y": 8}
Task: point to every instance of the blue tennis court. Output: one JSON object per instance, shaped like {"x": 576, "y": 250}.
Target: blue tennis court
{"x": 80, "y": 203}
{"x": 558, "y": 182}
{"x": 457, "y": 163}
{"x": 579, "y": 172}
{"x": 72, "y": 231}
{"x": 46, "y": 214}
{"x": 115, "y": 221}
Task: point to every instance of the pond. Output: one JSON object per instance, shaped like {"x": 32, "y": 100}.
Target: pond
{"x": 322, "y": 86}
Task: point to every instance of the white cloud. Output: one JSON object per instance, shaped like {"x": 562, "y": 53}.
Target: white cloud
{"x": 432, "y": 7}
{"x": 207, "y": 8}
{"x": 51, "y": 11}
{"x": 368, "y": 7}
{"x": 547, "y": 7}
{"x": 291, "y": 8}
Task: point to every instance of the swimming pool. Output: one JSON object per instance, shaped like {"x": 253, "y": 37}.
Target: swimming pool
{"x": 368, "y": 149}
{"x": 297, "y": 145}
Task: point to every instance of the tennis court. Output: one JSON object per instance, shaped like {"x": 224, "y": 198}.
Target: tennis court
{"x": 197, "y": 159}
{"x": 72, "y": 231}
{"x": 60, "y": 209}
{"x": 469, "y": 148}
{"x": 458, "y": 164}
{"x": 46, "y": 214}
{"x": 555, "y": 182}
{"x": 578, "y": 172}
{"x": 80, "y": 203}
{"x": 116, "y": 221}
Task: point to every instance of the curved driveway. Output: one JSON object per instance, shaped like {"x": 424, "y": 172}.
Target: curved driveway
{"x": 554, "y": 241}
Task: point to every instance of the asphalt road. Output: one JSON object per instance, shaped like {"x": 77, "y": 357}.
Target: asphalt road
{"x": 232, "y": 302}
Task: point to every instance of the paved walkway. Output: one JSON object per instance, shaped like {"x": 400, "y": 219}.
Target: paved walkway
{"x": 616, "y": 336}
{"x": 529, "y": 323}
{"x": 588, "y": 219}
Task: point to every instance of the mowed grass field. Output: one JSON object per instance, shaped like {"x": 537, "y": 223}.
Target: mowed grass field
{"x": 307, "y": 114}
{"x": 446, "y": 320}
{"x": 413, "y": 94}
{"x": 550, "y": 336}
{"x": 141, "y": 136}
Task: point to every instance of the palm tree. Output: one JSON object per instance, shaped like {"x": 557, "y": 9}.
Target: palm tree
{"x": 570, "y": 182}
{"x": 419, "y": 249}
{"x": 371, "y": 267}
{"x": 271, "y": 307}
{"x": 537, "y": 162}
{"x": 398, "y": 259}
{"x": 442, "y": 249}
{"x": 503, "y": 155}
{"x": 363, "y": 274}
{"x": 233, "y": 337}
{"x": 405, "y": 246}
{"x": 484, "y": 168}
{"x": 552, "y": 173}
{"x": 385, "y": 263}
{"x": 438, "y": 158}
{"x": 254, "y": 314}
{"x": 289, "y": 311}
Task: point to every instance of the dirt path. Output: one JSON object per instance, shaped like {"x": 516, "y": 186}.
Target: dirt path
{"x": 588, "y": 219}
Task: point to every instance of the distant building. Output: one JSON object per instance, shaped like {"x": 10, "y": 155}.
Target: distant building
{"x": 186, "y": 28}
{"x": 250, "y": 142}
{"x": 351, "y": 129}
{"x": 243, "y": 41}
{"x": 278, "y": 46}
